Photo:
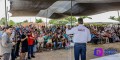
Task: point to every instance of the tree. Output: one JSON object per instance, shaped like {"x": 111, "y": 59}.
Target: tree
{"x": 52, "y": 21}
{"x": 19, "y": 23}
{"x": 11, "y": 22}
{"x": 114, "y": 18}
{"x": 38, "y": 21}
{"x": 58, "y": 22}
{"x": 2, "y": 21}
{"x": 26, "y": 21}
{"x": 85, "y": 17}
{"x": 62, "y": 22}
{"x": 69, "y": 19}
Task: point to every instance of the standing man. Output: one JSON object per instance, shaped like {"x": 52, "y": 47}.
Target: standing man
{"x": 81, "y": 35}
{"x": 6, "y": 44}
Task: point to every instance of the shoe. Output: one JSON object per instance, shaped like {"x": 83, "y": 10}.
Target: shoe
{"x": 33, "y": 56}
{"x": 29, "y": 58}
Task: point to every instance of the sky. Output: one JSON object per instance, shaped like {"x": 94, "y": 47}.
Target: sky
{"x": 102, "y": 16}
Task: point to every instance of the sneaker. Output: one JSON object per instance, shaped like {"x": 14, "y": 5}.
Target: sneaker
{"x": 33, "y": 56}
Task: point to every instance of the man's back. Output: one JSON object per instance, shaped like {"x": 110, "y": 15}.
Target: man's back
{"x": 81, "y": 37}
{"x": 81, "y": 34}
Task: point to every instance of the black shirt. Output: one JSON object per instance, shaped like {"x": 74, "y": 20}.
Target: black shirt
{"x": 25, "y": 42}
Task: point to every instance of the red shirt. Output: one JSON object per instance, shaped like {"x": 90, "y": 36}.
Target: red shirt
{"x": 30, "y": 40}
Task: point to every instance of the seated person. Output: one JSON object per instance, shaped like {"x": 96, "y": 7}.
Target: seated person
{"x": 40, "y": 40}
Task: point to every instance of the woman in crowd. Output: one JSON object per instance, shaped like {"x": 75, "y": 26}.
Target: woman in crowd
{"x": 49, "y": 44}
{"x": 30, "y": 45}
{"x": 54, "y": 40}
{"x": 24, "y": 46}
{"x": 45, "y": 40}
{"x": 40, "y": 42}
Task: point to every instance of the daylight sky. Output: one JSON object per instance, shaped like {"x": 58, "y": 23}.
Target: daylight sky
{"x": 102, "y": 16}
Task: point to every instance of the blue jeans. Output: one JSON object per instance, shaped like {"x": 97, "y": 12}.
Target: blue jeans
{"x": 55, "y": 45}
{"x": 60, "y": 44}
{"x": 30, "y": 50}
{"x": 80, "y": 49}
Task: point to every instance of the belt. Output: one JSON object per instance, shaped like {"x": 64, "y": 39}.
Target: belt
{"x": 80, "y": 43}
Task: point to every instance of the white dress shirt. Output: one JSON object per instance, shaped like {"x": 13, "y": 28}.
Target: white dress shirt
{"x": 81, "y": 34}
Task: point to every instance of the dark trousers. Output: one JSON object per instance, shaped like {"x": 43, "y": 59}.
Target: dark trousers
{"x": 110, "y": 40}
{"x": 30, "y": 50}
{"x": 80, "y": 49}
{"x": 6, "y": 56}
{"x": 13, "y": 56}
{"x": 95, "y": 40}
{"x": 45, "y": 42}
{"x": 17, "y": 49}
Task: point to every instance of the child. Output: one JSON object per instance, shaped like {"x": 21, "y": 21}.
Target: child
{"x": 67, "y": 44}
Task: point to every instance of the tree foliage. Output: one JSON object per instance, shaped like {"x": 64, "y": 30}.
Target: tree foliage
{"x": 2, "y": 21}
{"x": 63, "y": 21}
{"x": 69, "y": 19}
{"x": 114, "y": 18}
{"x": 11, "y": 22}
{"x": 38, "y": 21}
{"x": 26, "y": 21}
{"x": 84, "y": 17}
{"x": 19, "y": 23}
{"x": 52, "y": 21}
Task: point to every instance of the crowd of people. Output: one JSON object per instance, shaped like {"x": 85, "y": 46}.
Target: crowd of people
{"x": 28, "y": 40}
{"x": 106, "y": 34}
{"x": 25, "y": 41}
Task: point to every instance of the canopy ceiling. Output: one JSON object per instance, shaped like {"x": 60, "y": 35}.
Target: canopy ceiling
{"x": 62, "y": 8}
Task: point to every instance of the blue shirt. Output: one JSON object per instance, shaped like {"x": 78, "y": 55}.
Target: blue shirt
{"x": 92, "y": 35}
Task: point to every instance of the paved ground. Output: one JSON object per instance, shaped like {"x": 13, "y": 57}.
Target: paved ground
{"x": 111, "y": 57}
{"x": 69, "y": 55}
{"x": 55, "y": 55}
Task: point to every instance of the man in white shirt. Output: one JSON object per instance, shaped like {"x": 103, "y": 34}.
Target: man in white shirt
{"x": 81, "y": 35}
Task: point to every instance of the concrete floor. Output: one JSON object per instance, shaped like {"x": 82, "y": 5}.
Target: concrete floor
{"x": 63, "y": 54}
{"x": 111, "y": 57}
{"x": 55, "y": 55}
